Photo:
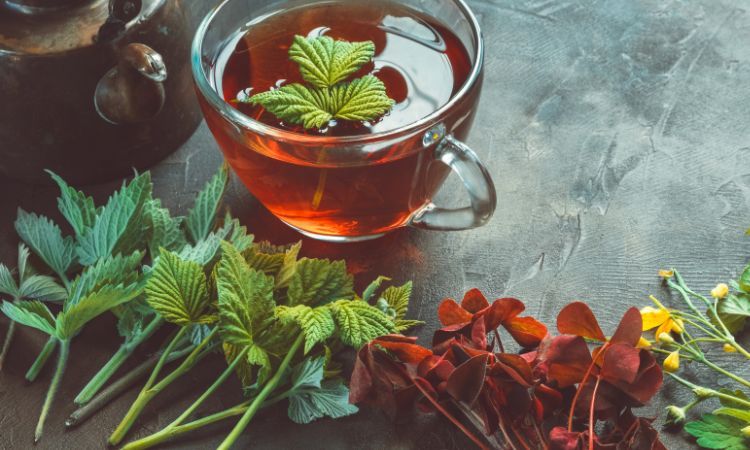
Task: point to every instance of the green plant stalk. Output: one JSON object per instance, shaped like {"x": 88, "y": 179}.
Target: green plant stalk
{"x": 41, "y": 359}
{"x": 119, "y": 386}
{"x": 62, "y": 360}
{"x": 8, "y": 339}
{"x": 710, "y": 392}
{"x": 264, "y": 393}
{"x": 108, "y": 370}
{"x": 151, "y": 390}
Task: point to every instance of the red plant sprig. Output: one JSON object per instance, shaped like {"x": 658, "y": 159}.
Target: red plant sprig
{"x": 551, "y": 395}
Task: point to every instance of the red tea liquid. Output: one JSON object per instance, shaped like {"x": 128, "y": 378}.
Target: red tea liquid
{"x": 423, "y": 65}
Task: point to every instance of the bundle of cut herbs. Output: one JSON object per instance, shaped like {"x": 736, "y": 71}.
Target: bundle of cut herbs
{"x": 572, "y": 391}
{"x": 277, "y": 319}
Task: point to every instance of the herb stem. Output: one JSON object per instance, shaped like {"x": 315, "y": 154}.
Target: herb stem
{"x": 8, "y": 339}
{"x": 116, "y": 361}
{"x": 585, "y": 378}
{"x": 710, "y": 392}
{"x": 62, "y": 359}
{"x": 41, "y": 359}
{"x": 115, "y": 389}
{"x": 592, "y": 411}
{"x": 264, "y": 393}
{"x": 723, "y": 371}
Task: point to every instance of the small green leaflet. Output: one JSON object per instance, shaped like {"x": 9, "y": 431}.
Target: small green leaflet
{"x": 358, "y": 323}
{"x": 324, "y": 62}
{"x": 177, "y": 290}
{"x": 236, "y": 234}
{"x": 121, "y": 224}
{"x": 74, "y": 317}
{"x": 165, "y": 230}
{"x": 77, "y": 208}
{"x": 108, "y": 271}
{"x": 718, "y": 432}
{"x": 316, "y": 323}
{"x": 319, "y": 281}
{"x": 360, "y": 100}
{"x": 33, "y": 314}
{"x": 744, "y": 280}
{"x": 734, "y": 311}
{"x": 740, "y": 414}
{"x": 46, "y": 240}
{"x": 312, "y": 398}
{"x": 370, "y": 290}
{"x": 397, "y": 298}
{"x": 30, "y": 285}
{"x": 200, "y": 220}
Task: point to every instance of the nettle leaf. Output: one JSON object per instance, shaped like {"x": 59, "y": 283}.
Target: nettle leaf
{"x": 130, "y": 322}
{"x": 257, "y": 356}
{"x": 121, "y": 225}
{"x": 734, "y": 311}
{"x": 406, "y": 325}
{"x": 204, "y": 252}
{"x": 324, "y": 62}
{"x": 308, "y": 374}
{"x": 177, "y": 290}
{"x": 398, "y": 298}
{"x": 360, "y": 100}
{"x": 77, "y": 208}
{"x": 46, "y": 240}
{"x": 320, "y": 281}
{"x": 7, "y": 282}
{"x": 42, "y": 287}
{"x": 112, "y": 270}
{"x": 236, "y": 234}
{"x": 201, "y": 219}
{"x": 245, "y": 298}
{"x": 277, "y": 261}
{"x": 33, "y": 314}
{"x": 718, "y": 432}
{"x": 316, "y": 323}
{"x": 166, "y": 231}
{"x": 358, "y": 323}
{"x": 24, "y": 268}
{"x": 330, "y": 400}
{"x": 76, "y": 316}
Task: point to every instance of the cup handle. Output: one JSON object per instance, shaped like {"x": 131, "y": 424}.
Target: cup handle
{"x": 465, "y": 163}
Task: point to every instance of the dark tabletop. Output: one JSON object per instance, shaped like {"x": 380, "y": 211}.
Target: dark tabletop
{"x": 617, "y": 133}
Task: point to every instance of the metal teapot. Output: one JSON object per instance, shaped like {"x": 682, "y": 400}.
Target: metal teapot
{"x": 91, "y": 89}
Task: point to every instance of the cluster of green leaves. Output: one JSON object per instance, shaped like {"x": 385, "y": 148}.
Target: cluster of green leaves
{"x": 734, "y": 309}
{"x": 326, "y": 63}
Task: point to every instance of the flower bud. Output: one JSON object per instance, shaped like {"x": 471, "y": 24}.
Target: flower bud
{"x": 729, "y": 348}
{"x": 672, "y": 362}
{"x": 678, "y": 326}
{"x": 666, "y": 274}
{"x": 703, "y": 393}
{"x": 665, "y": 338}
{"x": 720, "y": 291}
{"x": 675, "y": 415}
{"x": 746, "y": 431}
{"x": 643, "y": 343}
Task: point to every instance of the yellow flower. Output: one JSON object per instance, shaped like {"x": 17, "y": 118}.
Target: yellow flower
{"x": 643, "y": 343}
{"x": 660, "y": 317}
{"x": 728, "y": 348}
{"x": 720, "y": 291}
{"x": 672, "y": 361}
{"x": 666, "y": 274}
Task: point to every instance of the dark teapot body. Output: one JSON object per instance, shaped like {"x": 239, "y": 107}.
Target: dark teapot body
{"x": 91, "y": 91}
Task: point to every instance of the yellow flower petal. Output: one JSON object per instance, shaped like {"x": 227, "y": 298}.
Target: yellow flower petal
{"x": 643, "y": 343}
{"x": 653, "y": 317}
{"x": 666, "y": 273}
{"x": 665, "y": 327}
{"x": 672, "y": 362}
{"x": 677, "y": 325}
{"x": 729, "y": 348}
{"x": 720, "y": 291}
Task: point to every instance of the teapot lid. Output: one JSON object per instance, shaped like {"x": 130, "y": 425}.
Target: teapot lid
{"x": 42, "y": 27}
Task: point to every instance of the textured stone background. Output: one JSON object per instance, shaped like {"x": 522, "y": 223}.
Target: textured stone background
{"x": 617, "y": 134}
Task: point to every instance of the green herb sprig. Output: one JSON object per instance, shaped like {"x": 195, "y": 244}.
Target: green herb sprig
{"x": 326, "y": 64}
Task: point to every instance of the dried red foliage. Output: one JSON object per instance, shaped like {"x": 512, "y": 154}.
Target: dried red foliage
{"x": 567, "y": 392}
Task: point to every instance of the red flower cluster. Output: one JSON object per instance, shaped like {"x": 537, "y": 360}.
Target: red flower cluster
{"x": 550, "y": 396}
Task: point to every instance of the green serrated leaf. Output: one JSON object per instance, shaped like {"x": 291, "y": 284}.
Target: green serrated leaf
{"x": 324, "y": 62}
{"x": 317, "y": 324}
{"x": 358, "y": 323}
{"x": 330, "y": 400}
{"x": 166, "y": 231}
{"x": 24, "y": 268}
{"x": 107, "y": 271}
{"x": 288, "y": 266}
{"x": 177, "y": 290}
{"x": 198, "y": 332}
{"x": 200, "y": 220}
{"x": 33, "y": 314}
{"x": 245, "y": 298}
{"x": 46, "y": 241}
{"x": 204, "y": 252}
{"x": 42, "y": 287}
{"x": 370, "y": 290}
{"x": 257, "y": 356}
{"x": 319, "y": 281}
{"x": 122, "y": 224}
{"x": 236, "y": 234}
{"x": 734, "y": 311}
{"x": 718, "y": 432}
{"x": 744, "y": 280}
{"x": 398, "y": 299}
{"x": 73, "y": 318}
{"x": 77, "y": 208}
{"x": 7, "y": 282}
{"x": 308, "y": 374}
{"x": 405, "y": 325}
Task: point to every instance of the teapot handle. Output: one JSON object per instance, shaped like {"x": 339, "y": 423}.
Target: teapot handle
{"x": 133, "y": 90}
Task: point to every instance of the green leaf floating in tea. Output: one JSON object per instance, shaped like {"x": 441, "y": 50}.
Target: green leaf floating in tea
{"x": 326, "y": 64}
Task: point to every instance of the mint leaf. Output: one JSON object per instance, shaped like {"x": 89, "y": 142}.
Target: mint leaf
{"x": 121, "y": 225}
{"x": 324, "y": 62}
{"x": 734, "y": 311}
{"x": 358, "y": 323}
{"x": 330, "y": 400}
{"x": 363, "y": 99}
{"x": 33, "y": 314}
{"x": 75, "y": 315}
{"x": 319, "y": 281}
{"x": 45, "y": 239}
{"x": 177, "y": 290}
{"x": 77, "y": 208}
{"x": 200, "y": 220}
{"x": 718, "y": 432}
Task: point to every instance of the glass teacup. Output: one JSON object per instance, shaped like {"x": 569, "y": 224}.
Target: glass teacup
{"x": 357, "y": 187}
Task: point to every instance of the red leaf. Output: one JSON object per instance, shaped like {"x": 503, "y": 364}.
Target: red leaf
{"x": 551, "y": 399}
{"x": 500, "y": 311}
{"x": 562, "y": 439}
{"x": 647, "y": 382}
{"x": 466, "y": 382}
{"x": 435, "y": 367}
{"x": 567, "y": 358}
{"x": 621, "y": 362}
{"x": 578, "y": 319}
{"x": 630, "y": 328}
{"x": 514, "y": 366}
{"x": 404, "y": 348}
{"x": 450, "y": 313}
{"x": 474, "y": 301}
{"x": 527, "y": 331}
{"x": 479, "y": 335}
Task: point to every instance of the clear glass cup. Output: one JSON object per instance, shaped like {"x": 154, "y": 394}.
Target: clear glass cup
{"x": 352, "y": 188}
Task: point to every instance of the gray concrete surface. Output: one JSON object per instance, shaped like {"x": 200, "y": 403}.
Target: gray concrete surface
{"x": 617, "y": 133}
